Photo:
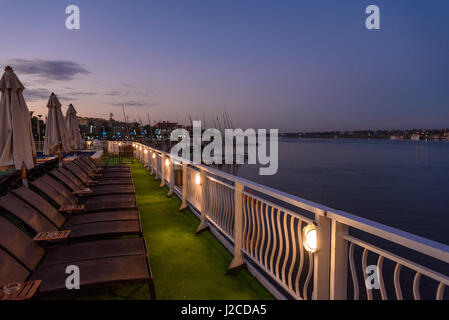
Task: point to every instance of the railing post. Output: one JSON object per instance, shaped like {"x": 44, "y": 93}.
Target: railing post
{"x": 172, "y": 178}
{"x": 184, "y": 187}
{"x": 339, "y": 261}
{"x": 148, "y": 159}
{"x": 322, "y": 259}
{"x": 152, "y": 162}
{"x": 162, "y": 170}
{"x": 203, "y": 224}
{"x": 156, "y": 166}
{"x": 238, "y": 226}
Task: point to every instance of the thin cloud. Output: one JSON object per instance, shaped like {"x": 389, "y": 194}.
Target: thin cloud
{"x": 133, "y": 104}
{"x": 44, "y": 94}
{"x": 113, "y": 93}
{"x": 62, "y": 70}
{"x": 80, "y": 93}
{"x": 36, "y": 94}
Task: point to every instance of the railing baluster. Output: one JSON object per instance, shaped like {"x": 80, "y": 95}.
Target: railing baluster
{"x": 287, "y": 248}
{"x": 253, "y": 228}
{"x": 383, "y": 292}
{"x": 397, "y": 282}
{"x": 294, "y": 245}
{"x": 269, "y": 249}
{"x": 301, "y": 259}
{"x": 416, "y": 281}
{"x": 355, "y": 281}
{"x": 369, "y": 293}
{"x": 309, "y": 276}
{"x": 280, "y": 244}
{"x": 263, "y": 234}
{"x": 274, "y": 246}
{"x": 246, "y": 222}
{"x": 440, "y": 291}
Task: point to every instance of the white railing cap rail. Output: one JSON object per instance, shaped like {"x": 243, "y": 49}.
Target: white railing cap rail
{"x": 425, "y": 246}
{"x": 422, "y": 245}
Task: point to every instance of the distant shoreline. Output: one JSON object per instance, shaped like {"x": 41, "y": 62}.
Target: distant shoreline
{"x": 413, "y": 135}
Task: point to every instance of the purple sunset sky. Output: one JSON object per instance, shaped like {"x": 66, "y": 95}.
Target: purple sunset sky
{"x": 292, "y": 65}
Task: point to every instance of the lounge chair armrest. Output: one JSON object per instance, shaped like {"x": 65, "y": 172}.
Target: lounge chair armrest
{"x": 83, "y": 192}
{"x": 19, "y": 290}
{"x": 52, "y": 236}
{"x": 72, "y": 209}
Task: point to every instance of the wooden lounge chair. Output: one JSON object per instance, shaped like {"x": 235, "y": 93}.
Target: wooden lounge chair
{"x": 81, "y": 228}
{"x": 80, "y": 174}
{"x": 77, "y": 187}
{"x": 88, "y": 161}
{"x": 101, "y": 189}
{"x": 59, "y": 219}
{"x": 98, "y": 174}
{"x": 64, "y": 197}
{"x": 101, "y": 263}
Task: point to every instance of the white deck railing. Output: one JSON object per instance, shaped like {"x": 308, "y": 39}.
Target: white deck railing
{"x": 263, "y": 228}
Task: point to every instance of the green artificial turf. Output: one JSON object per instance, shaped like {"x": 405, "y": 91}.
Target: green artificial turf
{"x": 184, "y": 265}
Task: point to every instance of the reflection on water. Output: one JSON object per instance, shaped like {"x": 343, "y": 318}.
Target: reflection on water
{"x": 404, "y": 184}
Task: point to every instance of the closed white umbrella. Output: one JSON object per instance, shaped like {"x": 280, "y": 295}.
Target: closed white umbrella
{"x": 73, "y": 127}
{"x": 57, "y": 138}
{"x": 16, "y": 137}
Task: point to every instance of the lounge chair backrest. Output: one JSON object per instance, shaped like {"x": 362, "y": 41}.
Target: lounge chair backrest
{"x": 62, "y": 178}
{"x": 72, "y": 177}
{"x": 50, "y": 192}
{"x": 40, "y": 204}
{"x": 19, "y": 245}
{"x": 73, "y": 168}
{"x": 11, "y": 270}
{"x": 92, "y": 161}
{"x": 62, "y": 189}
{"x": 26, "y": 214}
{"x": 85, "y": 159}
{"x": 83, "y": 166}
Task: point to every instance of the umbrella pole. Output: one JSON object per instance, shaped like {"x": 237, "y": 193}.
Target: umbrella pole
{"x": 24, "y": 176}
{"x": 60, "y": 158}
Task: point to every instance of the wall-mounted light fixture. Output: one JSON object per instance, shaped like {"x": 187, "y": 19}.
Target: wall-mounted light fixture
{"x": 197, "y": 179}
{"x": 311, "y": 238}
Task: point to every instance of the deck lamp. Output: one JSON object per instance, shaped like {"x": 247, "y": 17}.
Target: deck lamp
{"x": 197, "y": 179}
{"x": 146, "y": 151}
{"x": 311, "y": 237}
{"x": 167, "y": 162}
{"x": 154, "y": 155}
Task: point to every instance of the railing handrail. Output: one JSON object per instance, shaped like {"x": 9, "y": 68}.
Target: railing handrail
{"x": 281, "y": 195}
{"x": 429, "y": 247}
{"x": 426, "y": 246}
{"x": 333, "y": 223}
